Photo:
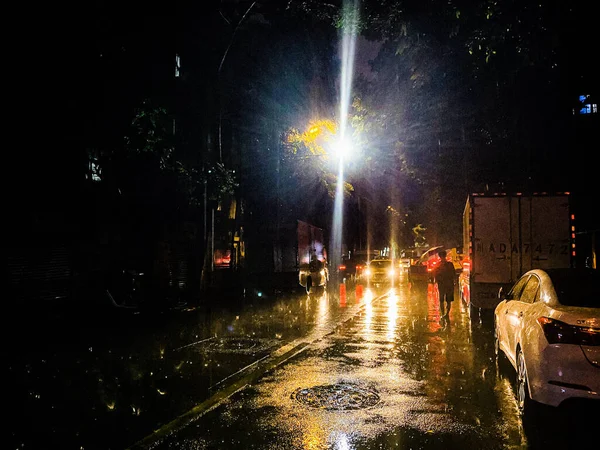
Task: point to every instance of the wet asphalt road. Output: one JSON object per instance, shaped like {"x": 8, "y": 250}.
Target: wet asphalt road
{"x": 108, "y": 378}
{"x": 373, "y": 370}
{"x": 391, "y": 376}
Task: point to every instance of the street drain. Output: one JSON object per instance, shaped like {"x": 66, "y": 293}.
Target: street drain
{"x": 240, "y": 345}
{"x": 339, "y": 397}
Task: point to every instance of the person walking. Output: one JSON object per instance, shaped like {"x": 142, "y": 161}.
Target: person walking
{"x": 444, "y": 276}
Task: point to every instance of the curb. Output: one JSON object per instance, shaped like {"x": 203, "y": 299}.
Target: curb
{"x": 256, "y": 370}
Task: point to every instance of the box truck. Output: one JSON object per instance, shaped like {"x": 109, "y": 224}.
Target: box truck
{"x": 506, "y": 235}
{"x": 278, "y": 256}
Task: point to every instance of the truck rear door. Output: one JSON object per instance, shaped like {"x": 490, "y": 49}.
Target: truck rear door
{"x": 491, "y": 261}
{"x": 545, "y": 232}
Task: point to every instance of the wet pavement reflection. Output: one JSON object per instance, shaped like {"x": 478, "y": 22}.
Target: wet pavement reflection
{"x": 352, "y": 368}
{"x": 72, "y": 378}
{"x": 394, "y": 376}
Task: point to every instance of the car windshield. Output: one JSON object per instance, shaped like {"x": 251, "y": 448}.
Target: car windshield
{"x": 381, "y": 264}
{"x": 577, "y": 287}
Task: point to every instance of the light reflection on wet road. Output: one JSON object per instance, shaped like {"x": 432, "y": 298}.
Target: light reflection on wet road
{"x": 436, "y": 383}
{"x": 381, "y": 371}
{"x": 78, "y": 376}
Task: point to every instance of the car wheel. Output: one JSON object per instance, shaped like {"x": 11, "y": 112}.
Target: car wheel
{"x": 524, "y": 402}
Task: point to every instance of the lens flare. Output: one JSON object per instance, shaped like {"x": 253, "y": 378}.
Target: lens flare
{"x": 349, "y": 30}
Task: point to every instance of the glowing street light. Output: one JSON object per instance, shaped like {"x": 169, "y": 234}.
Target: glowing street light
{"x": 343, "y": 148}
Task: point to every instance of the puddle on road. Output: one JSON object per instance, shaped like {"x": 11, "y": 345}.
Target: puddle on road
{"x": 338, "y": 397}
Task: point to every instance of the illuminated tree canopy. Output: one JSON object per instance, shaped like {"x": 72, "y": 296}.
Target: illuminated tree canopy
{"x": 311, "y": 151}
{"x": 318, "y": 135}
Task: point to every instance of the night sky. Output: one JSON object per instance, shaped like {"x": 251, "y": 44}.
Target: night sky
{"x": 85, "y": 69}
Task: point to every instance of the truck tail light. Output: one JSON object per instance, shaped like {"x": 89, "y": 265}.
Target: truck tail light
{"x": 558, "y": 332}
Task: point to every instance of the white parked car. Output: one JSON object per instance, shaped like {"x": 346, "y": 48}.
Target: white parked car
{"x": 548, "y": 326}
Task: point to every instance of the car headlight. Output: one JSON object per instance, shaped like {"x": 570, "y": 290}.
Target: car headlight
{"x": 368, "y": 272}
{"x": 391, "y": 272}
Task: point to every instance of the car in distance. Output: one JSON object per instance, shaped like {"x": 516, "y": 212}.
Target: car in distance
{"x": 404, "y": 264}
{"x": 548, "y": 327}
{"x": 351, "y": 269}
{"x": 382, "y": 271}
{"x": 421, "y": 271}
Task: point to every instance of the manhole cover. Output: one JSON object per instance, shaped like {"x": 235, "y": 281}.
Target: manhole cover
{"x": 239, "y": 345}
{"x": 337, "y": 397}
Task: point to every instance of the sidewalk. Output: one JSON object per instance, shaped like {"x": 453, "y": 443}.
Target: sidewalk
{"x": 135, "y": 374}
{"x": 339, "y": 313}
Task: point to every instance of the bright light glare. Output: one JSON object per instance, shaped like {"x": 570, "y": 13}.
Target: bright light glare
{"x": 348, "y": 53}
{"x": 349, "y": 32}
{"x": 344, "y": 148}
{"x": 342, "y": 442}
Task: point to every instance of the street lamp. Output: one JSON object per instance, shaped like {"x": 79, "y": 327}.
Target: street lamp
{"x": 343, "y": 148}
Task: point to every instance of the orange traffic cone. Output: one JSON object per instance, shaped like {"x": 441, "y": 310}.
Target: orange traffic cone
{"x": 342, "y": 294}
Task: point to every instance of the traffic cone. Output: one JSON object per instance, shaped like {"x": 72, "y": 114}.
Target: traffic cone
{"x": 342, "y": 294}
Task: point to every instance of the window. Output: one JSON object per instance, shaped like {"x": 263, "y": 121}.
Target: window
{"x": 531, "y": 289}
{"x": 381, "y": 264}
{"x": 587, "y": 106}
{"x": 232, "y": 209}
{"x": 94, "y": 172}
{"x": 515, "y": 292}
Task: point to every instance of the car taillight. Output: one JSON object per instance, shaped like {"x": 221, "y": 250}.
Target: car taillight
{"x": 558, "y": 332}
{"x": 342, "y": 267}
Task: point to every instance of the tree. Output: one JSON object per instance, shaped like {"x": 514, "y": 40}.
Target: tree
{"x": 312, "y": 153}
{"x": 287, "y": 79}
{"x": 455, "y": 87}
{"x": 419, "y": 235}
